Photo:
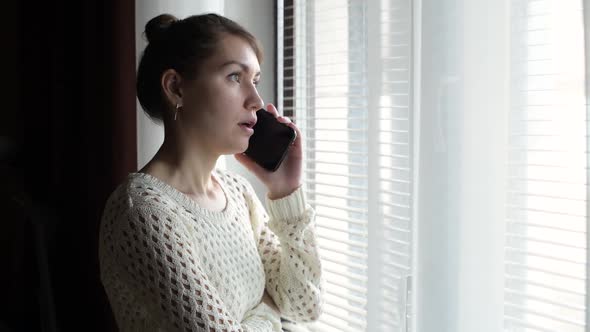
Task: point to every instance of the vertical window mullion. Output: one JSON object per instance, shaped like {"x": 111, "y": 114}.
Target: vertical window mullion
{"x": 373, "y": 65}
{"x": 586, "y": 20}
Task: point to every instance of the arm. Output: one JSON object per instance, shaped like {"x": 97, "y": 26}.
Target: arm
{"x": 287, "y": 245}
{"x": 161, "y": 265}
{"x": 290, "y": 258}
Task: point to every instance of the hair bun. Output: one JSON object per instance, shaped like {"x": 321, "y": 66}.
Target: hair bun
{"x": 157, "y": 26}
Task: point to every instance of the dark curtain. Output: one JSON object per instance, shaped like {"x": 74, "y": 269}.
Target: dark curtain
{"x": 68, "y": 137}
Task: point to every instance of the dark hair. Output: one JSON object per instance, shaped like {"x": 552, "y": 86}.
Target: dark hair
{"x": 181, "y": 45}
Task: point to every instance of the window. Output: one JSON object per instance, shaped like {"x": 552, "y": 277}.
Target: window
{"x": 347, "y": 67}
{"x": 446, "y": 154}
{"x": 546, "y": 240}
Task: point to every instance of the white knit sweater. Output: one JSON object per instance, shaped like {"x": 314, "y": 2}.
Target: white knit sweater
{"x": 169, "y": 265}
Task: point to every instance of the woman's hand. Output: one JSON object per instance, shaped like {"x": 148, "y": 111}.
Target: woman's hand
{"x": 287, "y": 178}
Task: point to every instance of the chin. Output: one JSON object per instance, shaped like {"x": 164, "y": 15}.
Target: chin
{"x": 239, "y": 148}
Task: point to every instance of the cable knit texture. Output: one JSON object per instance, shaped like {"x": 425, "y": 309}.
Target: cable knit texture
{"x": 169, "y": 265}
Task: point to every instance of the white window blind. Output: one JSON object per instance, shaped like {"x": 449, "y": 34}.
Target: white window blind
{"x": 546, "y": 262}
{"x": 346, "y": 68}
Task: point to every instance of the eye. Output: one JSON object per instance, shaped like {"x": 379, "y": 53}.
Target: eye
{"x": 256, "y": 82}
{"x": 234, "y": 77}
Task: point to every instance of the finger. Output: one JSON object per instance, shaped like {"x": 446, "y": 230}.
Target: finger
{"x": 297, "y": 141}
{"x": 272, "y": 109}
{"x": 284, "y": 119}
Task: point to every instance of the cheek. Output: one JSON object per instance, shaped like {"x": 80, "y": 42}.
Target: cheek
{"x": 216, "y": 94}
{"x": 214, "y": 104}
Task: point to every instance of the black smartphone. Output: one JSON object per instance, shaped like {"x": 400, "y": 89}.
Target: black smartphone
{"x": 270, "y": 142}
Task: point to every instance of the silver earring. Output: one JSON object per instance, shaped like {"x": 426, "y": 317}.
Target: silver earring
{"x": 178, "y": 106}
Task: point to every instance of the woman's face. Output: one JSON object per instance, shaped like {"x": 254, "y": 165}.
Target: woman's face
{"x": 220, "y": 104}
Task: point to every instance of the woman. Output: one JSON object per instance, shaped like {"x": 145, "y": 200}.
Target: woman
{"x": 187, "y": 247}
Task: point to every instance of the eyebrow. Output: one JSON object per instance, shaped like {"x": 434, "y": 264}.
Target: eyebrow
{"x": 243, "y": 65}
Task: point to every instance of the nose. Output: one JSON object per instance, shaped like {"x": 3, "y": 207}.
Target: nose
{"x": 254, "y": 101}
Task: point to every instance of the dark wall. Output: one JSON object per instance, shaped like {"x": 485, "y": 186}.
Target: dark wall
{"x": 67, "y": 138}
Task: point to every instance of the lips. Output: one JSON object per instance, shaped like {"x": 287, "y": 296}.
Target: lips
{"x": 248, "y": 124}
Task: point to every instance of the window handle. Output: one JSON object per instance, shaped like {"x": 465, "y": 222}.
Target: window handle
{"x": 405, "y": 304}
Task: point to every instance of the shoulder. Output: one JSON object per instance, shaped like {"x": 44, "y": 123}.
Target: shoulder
{"x": 137, "y": 194}
{"x": 139, "y": 212}
{"x": 136, "y": 189}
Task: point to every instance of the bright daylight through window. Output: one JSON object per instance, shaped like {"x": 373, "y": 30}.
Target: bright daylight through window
{"x": 349, "y": 70}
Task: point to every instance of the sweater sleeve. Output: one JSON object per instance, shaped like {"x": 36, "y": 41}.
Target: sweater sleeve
{"x": 262, "y": 318}
{"x": 287, "y": 246}
{"x": 160, "y": 265}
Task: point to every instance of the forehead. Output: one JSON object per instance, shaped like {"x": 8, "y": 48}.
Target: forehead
{"x": 234, "y": 48}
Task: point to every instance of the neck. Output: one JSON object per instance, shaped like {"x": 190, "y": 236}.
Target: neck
{"x": 185, "y": 166}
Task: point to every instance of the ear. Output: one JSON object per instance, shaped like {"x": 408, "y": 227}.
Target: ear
{"x": 171, "y": 82}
